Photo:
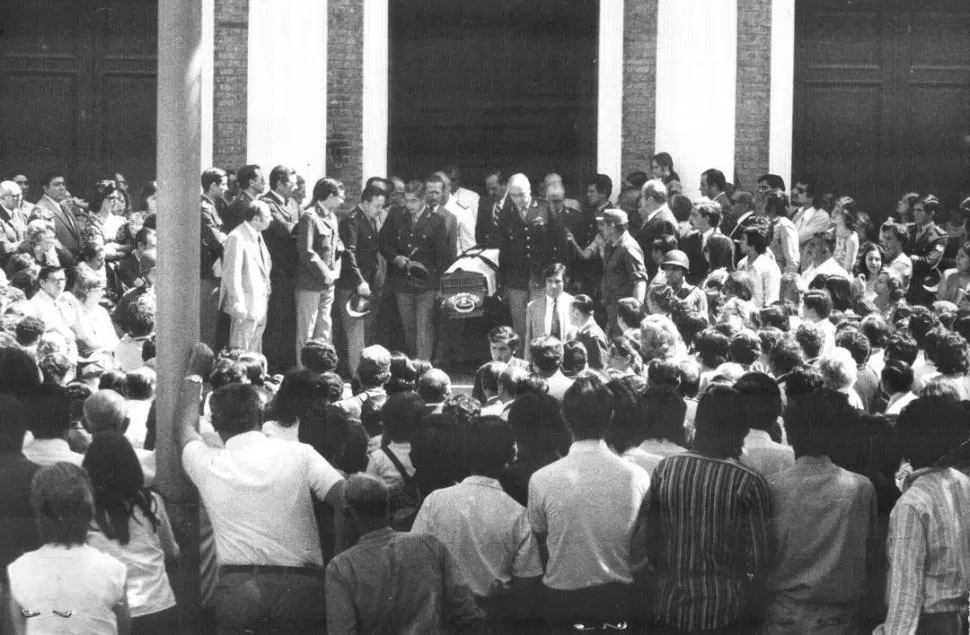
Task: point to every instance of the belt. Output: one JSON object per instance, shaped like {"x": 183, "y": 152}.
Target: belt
{"x": 270, "y": 569}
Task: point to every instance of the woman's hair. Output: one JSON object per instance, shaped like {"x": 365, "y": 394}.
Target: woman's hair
{"x": 630, "y": 310}
{"x": 739, "y": 284}
{"x": 666, "y": 163}
{"x": 621, "y": 346}
{"x": 140, "y": 383}
{"x": 63, "y": 504}
{"x": 850, "y": 212}
{"x": 839, "y": 288}
{"x": 660, "y": 339}
{"x": 115, "y": 380}
{"x": 148, "y": 190}
{"x": 101, "y": 190}
{"x": 35, "y": 232}
{"x": 119, "y": 485}
{"x": 861, "y": 266}
{"x": 897, "y": 376}
{"x": 87, "y": 280}
{"x": 720, "y": 425}
{"x": 838, "y": 369}
{"x": 298, "y": 392}
{"x": 952, "y": 354}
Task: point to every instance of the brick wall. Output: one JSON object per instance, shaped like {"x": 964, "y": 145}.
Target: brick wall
{"x": 230, "y": 77}
{"x": 345, "y": 92}
{"x": 752, "y": 124}
{"x": 639, "y": 84}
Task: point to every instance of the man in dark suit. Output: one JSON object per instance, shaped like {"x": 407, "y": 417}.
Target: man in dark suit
{"x": 713, "y": 186}
{"x": 928, "y": 246}
{"x": 281, "y": 320}
{"x": 589, "y": 332}
{"x": 531, "y": 239}
{"x": 66, "y": 228}
{"x": 490, "y": 210}
{"x": 129, "y": 267}
{"x": 743, "y": 215}
{"x": 251, "y": 185}
{"x": 415, "y": 243}
{"x": 707, "y": 248}
{"x": 360, "y": 273}
{"x": 656, "y": 219}
{"x": 215, "y": 183}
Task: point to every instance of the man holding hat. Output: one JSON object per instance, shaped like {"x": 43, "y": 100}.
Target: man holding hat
{"x": 624, "y": 269}
{"x": 675, "y": 267}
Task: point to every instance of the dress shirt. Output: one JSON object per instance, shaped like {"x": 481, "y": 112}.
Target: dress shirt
{"x": 465, "y": 218}
{"x": 902, "y": 265}
{"x": 558, "y": 385}
{"x": 784, "y": 245}
{"x": 587, "y": 503}
{"x": 563, "y": 308}
{"x": 485, "y": 530}
{"x": 390, "y": 583}
{"x": 46, "y": 452}
{"x": 707, "y": 529}
{"x": 810, "y": 221}
{"x": 275, "y": 430}
{"x": 651, "y": 452}
{"x": 763, "y": 455}
{"x": 767, "y": 278}
{"x": 59, "y": 315}
{"x": 823, "y": 522}
{"x": 258, "y": 492}
{"x": 929, "y": 548}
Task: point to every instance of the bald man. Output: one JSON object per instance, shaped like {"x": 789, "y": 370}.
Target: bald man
{"x": 107, "y": 411}
{"x": 531, "y": 238}
{"x": 13, "y": 224}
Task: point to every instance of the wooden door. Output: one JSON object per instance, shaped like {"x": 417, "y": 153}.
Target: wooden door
{"x": 78, "y": 90}
{"x": 506, "y": 83}
{"x": 882, "y": 98}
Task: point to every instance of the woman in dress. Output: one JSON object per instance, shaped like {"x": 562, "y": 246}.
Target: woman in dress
{"x": 870, "y": 264}
{"x": 105, "y": 219}
{"x": 845, "y": 216}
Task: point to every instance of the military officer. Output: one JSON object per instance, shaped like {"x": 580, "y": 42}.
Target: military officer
{"x": 415, "y": 243}
{"x": 928, "y": 244}
{"x": 531, "y": 238}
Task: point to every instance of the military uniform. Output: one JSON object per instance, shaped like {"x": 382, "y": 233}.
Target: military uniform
{"x": 423, "y": 241}
{"x": 281, "y": 329}
{"x": 528, "y": 243}
{"x": 623, "y": 268}
{"x": 927, "y": 247}
{"x": 213, "y": 236}
{"x": 362, "y": 263}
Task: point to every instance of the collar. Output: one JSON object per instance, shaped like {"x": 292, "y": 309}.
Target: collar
{"x": 654, "y": 213}
{"x": 758, "y": 437}
{"x": 588, "y": 446}
{"x": 51, "y": 200}
{"x": 250, "y": 230}
{"x": 814, "y": 461}
{"x": 491, "y": 401}
{"x": 276, "y": 197}
{"x": 482, "y": 481}
{"x": 245, "y": 440}
{"x": 710, "y": 232}
{"x": 206, "y": 199}
{"x": 60, "y": 445}
{"x": 898, "y": 396}
{"x": 321, "y": 210}
{"x": 378, "y": 535}
{"x": 582, "y": 328}
{"x": 916, "y": 474}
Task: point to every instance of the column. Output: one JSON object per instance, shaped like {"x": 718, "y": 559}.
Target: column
{"x": 181, "y": 58}
{"x": 782, "y": 88}
{"x": 345, "y": 91}
{"x": 287, "y": 96}
{"x": 696, "y": 86}
{"x": 639, "y": 84}
{"x": 230, "y": 85}
{"x": 375, "y": 123}
{"x": 609, "y": 117}
{"x": 753, "y": 90}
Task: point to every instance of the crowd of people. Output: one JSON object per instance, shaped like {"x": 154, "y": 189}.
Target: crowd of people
{"x": 743, "y": 413}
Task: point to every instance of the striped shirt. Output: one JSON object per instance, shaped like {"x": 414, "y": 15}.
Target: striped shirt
{"x": 929, "y": 548}
{"x": 707, "y": 539}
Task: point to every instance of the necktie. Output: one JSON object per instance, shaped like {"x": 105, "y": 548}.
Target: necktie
{"x": 555, "y": 329}
{"x": 262, "y": 248}
{"x": 496, "y": 214}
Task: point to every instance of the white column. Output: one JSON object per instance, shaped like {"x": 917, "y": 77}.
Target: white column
{"x": 697, "y": 48}
{"x": 609, "y": 112}
{"x": 208, "y": 71}
{"x": 287, "y": 96}
{"x": 375, "y": 124}
{"x": 782, "y": 88}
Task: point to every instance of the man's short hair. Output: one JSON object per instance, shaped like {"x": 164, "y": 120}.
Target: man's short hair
{"x": 366, "y": 497}
{"x": 546, "y": 353}
{"x": 811, "y": 338}
{"x": 246, "y": 175}
{"x": 319, "y": 356}
{"x": 714, "y": 177}
{"x": 210, "y": 176}
{"x": 236, "y": 408}
{"x": 504, "y": 335}
{"x": 664, "y": 243}
{"x": 602, "y": 183}
{"x": 712, "y": 347}
{"x": 819, "y": 301}
{"x": 414, "y": 186}
{"x": 575, "y": 358}
{"x": 952, "y": 354}
{"x": 402, "y": 414}
{"x": 745, "y": 347}
{"x": 105, "y": 411}
{"x": 929, "y": 428}
{"x": 757, "y": 237}
{"x": 587, "y": 407}
{"x": 279, "y": 174}
{"x": 897, "y": 376}
{"x": 654, "y": 189}
{"x": 325, "y": 188}
{"x": 29, "y": 330}
{"x": 785, "y": 356}
{"x": 490, "y": 374}
{"x": 143, "y": 234}
{"x": 47, "y": 271}
{"x": 434, "y": 385}
{"x": 63, "y": 504}
{"x": 254, "y": 209}
{"x": 432, "y": 179}
{"x": 554, "y": 269}
{"x": 584, "y": 304}
{"x": 141, "y": 317}
{"x": 761, "y": 399}
{"x": 711, "y": 212}
{"x": 856, "y": 343}
{"x": 371, "y": 192}
{"x": 902, "y": 347}
{"x": 876, "y": 329}
{"x": 514, "y": 380}
{"x": 494, "y": 445}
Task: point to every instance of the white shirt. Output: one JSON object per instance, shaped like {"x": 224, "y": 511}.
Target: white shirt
{"x": 485, "y": 530}
{"x": 50, "y": 451}
{"x": 58, "y": 315}
{"x": 383, "y": 468}
{"x": 562, "y": 307}
{"x": 763, "y": 455}
{"x": 287, "y": 433}
{"x": 587, "y": 503}
{"x": 466, "y": 218}
{"x": 558, "y": 384}
{"x": 651, "y": 452}
{"x": 767, "y": 278}
{"x": 899, "y": 401}
{"x": 138, "y": 421}
{"x": 80, "y": 580}
{"x": 149, "y": 590}
{"x": 258, "y": 492}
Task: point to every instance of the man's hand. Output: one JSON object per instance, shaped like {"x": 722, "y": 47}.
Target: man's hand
{"x": 200, "y": 360}
{"x": 401, "y": 262}
{"x": 363, "y": 290}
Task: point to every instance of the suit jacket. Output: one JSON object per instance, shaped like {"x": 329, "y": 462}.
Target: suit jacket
{"x": 213, "y": 237}
{"x": 279, "y": 237}
{"x": 486, "y": 225}
{"x": 320, "y": 236}
{"x": 704, "y": 258}
{"x": 535, "y": 319}
{"x": 362, "y": 256}
{"x": 426, "y": 242}
{"x": 13, "y": 228}
{"x": 236, "y": 211}
{"x": 66, "y": 228}
{"x": 663, "y": 222}
{"x": 529, "y": 245}
{"x": 129, "y": 271}
{"x": 594, "y": 339}
{"x": 244, "y": 293}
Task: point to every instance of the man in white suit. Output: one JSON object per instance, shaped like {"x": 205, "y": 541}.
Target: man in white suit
{"x": 549, "y": 314}
{"x": 244, "y": 295}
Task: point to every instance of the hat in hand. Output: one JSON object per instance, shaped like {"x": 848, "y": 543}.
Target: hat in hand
{"x": 358, "y": 305}
{"x": 419, "y": 271}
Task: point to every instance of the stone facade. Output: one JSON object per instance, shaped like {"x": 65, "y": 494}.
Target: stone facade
{"x": 230, "y": 81}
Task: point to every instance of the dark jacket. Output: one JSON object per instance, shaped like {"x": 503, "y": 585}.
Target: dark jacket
{"x": 362, "y": 256}
{"x": 527, "y": 246}
{"x": 662, "y": 224}
{"x": 279, "y": 237}
{"x": 425, "y": 242}
{"x": 315, "y": 236}
{"x": 213, "y": 235}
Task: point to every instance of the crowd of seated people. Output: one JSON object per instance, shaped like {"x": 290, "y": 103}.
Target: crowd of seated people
{"x": 763, "y": 428}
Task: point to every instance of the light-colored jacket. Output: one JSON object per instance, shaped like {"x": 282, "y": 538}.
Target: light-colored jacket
{"x": 244, "y": 293}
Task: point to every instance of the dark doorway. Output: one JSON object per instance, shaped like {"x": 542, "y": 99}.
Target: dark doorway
{"x": 882, "y": 98}
{"x": 503, "y": 83}
{"x": 78, "y": 90}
